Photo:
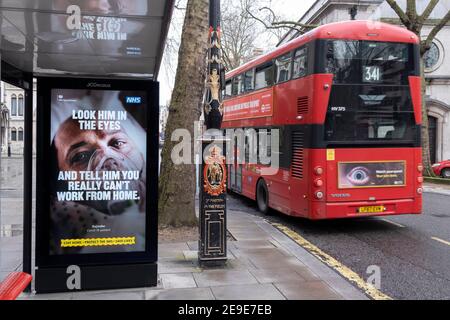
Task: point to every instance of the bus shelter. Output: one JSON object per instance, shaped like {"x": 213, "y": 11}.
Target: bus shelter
{"x": 96, "y": 63}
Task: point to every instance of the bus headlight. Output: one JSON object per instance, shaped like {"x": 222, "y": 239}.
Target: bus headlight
{"x": 318, "y": 171}
{"x": 419, "y": 191}
{"x": 318, "y": 183}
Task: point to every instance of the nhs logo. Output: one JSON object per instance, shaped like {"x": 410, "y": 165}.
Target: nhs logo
{"x": 134, "y": 100}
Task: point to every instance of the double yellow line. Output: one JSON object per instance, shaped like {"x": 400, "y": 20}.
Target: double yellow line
{"x": 346, "y": 272}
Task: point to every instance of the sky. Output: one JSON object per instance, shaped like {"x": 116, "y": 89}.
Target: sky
{"x": 290, "y": 9}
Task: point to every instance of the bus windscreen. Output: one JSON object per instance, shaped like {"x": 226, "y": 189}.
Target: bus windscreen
{"x": 359, "y": 62}
{"x": 370, "y": 100}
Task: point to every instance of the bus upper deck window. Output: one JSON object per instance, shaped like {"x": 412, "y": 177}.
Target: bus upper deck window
{"x": 283, "y": 65}
{"x": 235, "y": 86}
{"x": 264, "y": 76}
{"x": 228, "y": 88}
{"x": 248, "y": 81}
{"x": 300, "y": 64}
{"x": 241, "y": 84}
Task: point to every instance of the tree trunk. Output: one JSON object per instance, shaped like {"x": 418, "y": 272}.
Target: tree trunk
{"x": 177, "y": 182}
{"x": 425, "y": 133}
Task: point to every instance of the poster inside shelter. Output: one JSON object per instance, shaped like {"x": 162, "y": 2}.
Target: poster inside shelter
{"x": 98, "y": 176}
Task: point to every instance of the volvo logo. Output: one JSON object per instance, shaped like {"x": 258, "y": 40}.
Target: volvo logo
{"x": 341, "y": 195}
{"x": 98, "y": 85}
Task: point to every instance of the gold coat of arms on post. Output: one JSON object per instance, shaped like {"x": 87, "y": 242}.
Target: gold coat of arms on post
{"x": 214, "y": 172}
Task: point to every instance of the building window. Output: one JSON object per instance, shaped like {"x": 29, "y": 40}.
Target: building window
{"x": 13, "y": 134}
{"x": 432, "y": 57}
{"x": 20, "y": 134}
{"x": 14, "y": 105}
{"x": 21, "y": 105}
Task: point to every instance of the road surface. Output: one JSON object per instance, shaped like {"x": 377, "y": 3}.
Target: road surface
{"x": 413, "y": 252}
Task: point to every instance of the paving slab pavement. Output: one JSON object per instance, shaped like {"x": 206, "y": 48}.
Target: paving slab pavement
{"x": 437, "y": 188}
{"x": 263, "y": 264}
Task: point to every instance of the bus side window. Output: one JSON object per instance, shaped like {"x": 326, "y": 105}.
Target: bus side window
{"x": 300, "y": 63}
{"x": 241, "y": 84}
{"x": 264, "y": 76}
{"x": 264, "y": 146}
{"x": 228, "y": 88}
{"x": 283, "y": 68}
{"x": 248, "y": 80}
{"x": 235, "y": 86}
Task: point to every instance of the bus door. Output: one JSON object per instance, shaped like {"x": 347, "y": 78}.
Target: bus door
{"x": 235, "y": 171}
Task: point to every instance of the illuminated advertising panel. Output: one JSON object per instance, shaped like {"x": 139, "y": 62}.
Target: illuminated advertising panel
{"x": 371, "y": 174}
{"x": 97, "y": 172}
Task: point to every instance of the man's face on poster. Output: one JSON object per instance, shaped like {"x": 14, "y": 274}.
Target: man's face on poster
{"x": 96, "y": 150}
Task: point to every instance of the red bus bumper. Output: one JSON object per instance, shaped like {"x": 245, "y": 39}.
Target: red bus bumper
{"x": 339, "y": 210}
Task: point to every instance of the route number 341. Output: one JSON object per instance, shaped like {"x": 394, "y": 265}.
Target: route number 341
{"x": 372, "y": 74}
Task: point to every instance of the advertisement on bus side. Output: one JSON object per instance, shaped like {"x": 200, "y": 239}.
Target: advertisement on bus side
{"x": 252, "y": 106}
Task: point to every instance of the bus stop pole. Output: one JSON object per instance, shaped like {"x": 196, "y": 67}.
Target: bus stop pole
{"x": 212, "y": 249}
{"x": 27, "y": 84}
{"x": 6, "y": 142}
{"x": 28, "y": 177}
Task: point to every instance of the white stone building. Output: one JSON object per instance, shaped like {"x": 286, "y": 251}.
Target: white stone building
{"x": 437, "y": 60}
{"x": 12, "y": 123}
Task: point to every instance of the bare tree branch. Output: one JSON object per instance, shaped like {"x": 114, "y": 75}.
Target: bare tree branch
{"x": 427, "y": 43}
{"x": 179, "y": 5}
{"x": 402, "y": 15}
{"x": 426, "y": 13}
{"x": 239, "y": 33}
{"x": 297, "y": 26}
{"x": 293, "y": 23}
{"x": 411, "y": 10}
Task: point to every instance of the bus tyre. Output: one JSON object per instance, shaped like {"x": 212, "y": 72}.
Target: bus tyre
{"x": 446, "y": 173}
{"x": 262, "y": 197}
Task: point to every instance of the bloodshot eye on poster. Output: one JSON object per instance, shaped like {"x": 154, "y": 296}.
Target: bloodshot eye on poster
{"x": 98, "y": 171}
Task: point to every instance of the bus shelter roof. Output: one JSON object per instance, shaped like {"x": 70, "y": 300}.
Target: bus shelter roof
{"x": 114, "y": 39}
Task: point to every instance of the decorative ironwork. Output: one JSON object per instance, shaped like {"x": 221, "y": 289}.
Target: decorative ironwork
{"x": 212, "y": 249}
{"x": 212, "y": 244}
{"x": 213, "y": 103}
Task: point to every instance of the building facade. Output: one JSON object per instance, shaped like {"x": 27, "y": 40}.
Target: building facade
{"x": 12, "y": 121}
{"x": 437, "y": 60}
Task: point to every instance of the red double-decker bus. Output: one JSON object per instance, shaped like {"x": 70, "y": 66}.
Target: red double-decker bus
{"x": 345, "y": 99}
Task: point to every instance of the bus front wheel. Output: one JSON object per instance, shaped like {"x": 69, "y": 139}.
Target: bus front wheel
{"x": 262, "y": 197}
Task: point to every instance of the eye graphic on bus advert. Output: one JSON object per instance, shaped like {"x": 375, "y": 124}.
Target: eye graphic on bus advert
{"x": 98, "y": 171}
{"x": 371, "y": 174}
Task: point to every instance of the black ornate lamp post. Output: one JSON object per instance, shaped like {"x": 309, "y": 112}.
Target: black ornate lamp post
{"x": 213, "y": 173}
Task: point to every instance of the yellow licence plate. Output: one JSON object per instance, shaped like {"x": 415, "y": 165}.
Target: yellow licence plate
{"x": 373, "y": 209}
